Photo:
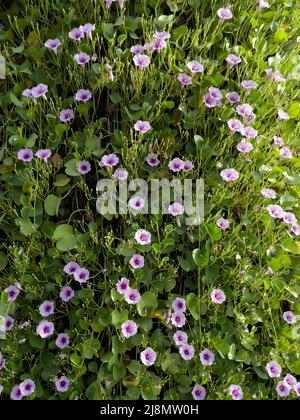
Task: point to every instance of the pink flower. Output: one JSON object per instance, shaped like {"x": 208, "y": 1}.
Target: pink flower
{"x": 129, "y": 329}
{"x": 282, "y": 389}
{"x": 143, "y": 237}
{"x": 232, "y": 60}
{"x": 289, "y": 218}
{"x": 184, "y": 79}
{"x": 45, "y": 328}
{"x": 223, "y": 223}
{"x": 46, "y": 308}
{"x": 152, "y": 160}
{"x": 82, "y": 275}
{"x": 207, "y": 357}
{"x": 178, "y": 319}
{"x": 176, "y": 165}
{"x": 186, "y": 351}
{"x": 218, "y": 296}
{"x": 289, "y": 317}
{"x": 180, "y": 338}
{"x": 176, "y": 209}
{"x": 268, "y": 193}
{"x": 244, "y": 147}
{"x": 235, "y": 125}
{"x": 148, "y": 356}
{"x": 121, "y": 174}
{"x": 66, "y": 293}
{"x": 123, "y": 286}
{"x": 141, "y": 60}
{"x": 136, "y": 203}
{"x": 142, "y": 126}
{"x": 236, "y": 392}
{"x": 109, "y": 161}
{"x": 195, "y": 67}
{"x": 273, "y": 369}
{"x": 295, "y": 229}
{"x": 158, "y": 44}
{"x": 229, "y": 175}
{"x": 71, "y": 267}
{"x": 137, "y": 49}
{"x": 290, "y": 381}
{"x": 249, "y": 132}
{"x": 137, "y": 261}
{"x": 275, "y": 211}
{"x": 179, "y": 305}
{"x": 188, "y": 166}
{"x": 198, "y": 392}
{"x": 224, "y": 14}
{"x": 132, "y": 296}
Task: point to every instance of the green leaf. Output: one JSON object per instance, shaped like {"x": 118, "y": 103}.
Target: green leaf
{"x": 62, "y": 231}
{"x": 147, "y": 302}
{"x": 201, "y": 257}
{"x": 61, "y": 180}
{"x": 90, "y": 348}
{"x": 52, "y": 204}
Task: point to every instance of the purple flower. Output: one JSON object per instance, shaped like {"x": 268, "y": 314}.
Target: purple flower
{"x": 136, "y": 203}
{"x": 82, "y": 58}
{"x": 290, "y": 381}
{"x": 244, "y": 147}
{"x": 218, "y": 296}
{"x": 248, "y": 85}
{"x": 207, "y": 357}
{"x": 71, "y": 267}
{"x": 178, "y": 305}
{"x": 152, "y": 160}
{"x": 16, "y": 393}
{"x": 289, "y": 317}
{"x": 142, "y": 126}
{"x": 12, "y": 292}
{"x": 123, "y": 285}
{"x": 62, "y": 341}
{"x": 162, "y": 35}
{"x": 186, "y": 351}
{"x": 268, "y": 193}
{"x": 1, "y": 389}
{"x": 76, "y": 34}
{"x": 2, "y": 362}
{"x": 178, "y": 319}
{"x": 278, "y": 141}
{"x": 282, "y": 389}
{"x": 53, "y": 44}
{"x": 223, "y": 223}
{"x": 262, "y": 4}
{"x": 194, "y": 66}
{"x": 285, "y": 153}
{"x": 289, "y": 218}
{"x": 215, "y": 93}
{"x": 62, "y": 384}
{"x": 141, "y": 60}
{"x": 232, "y": 60}
{"x": 27, "y": 387}
{"x": 158, "y": 44}
{"x": 121, "y": 3}
{"x": 148, "y": 356}
{"x": 188, "y": 166}
{"x": 66, "y": 115}
{"x": 43, "y": 154}
{"x": 180, "y": 338}
{"x": 66, "y": 293}
{"x": 176, "y": 165}
{"x": 295, "y": 229}
{"x": 87, "y": 29}
{"x": 275, "y": 211}
{"x": 249, "y": 132}
{"x": 39, "y": 90}
{"x": 129, "y": 328}
{"x": 46, "y": 308}
{"x": 297, "y": 388}
{"x": 137, "y": 261}
{"x": 8, "y": 324}
{"x": 236, "y": 392}
{"x": 229, "y": 175}
{"x": 83, "y": 95}
{"x": 121, "y": 174}
{"x": 275, "y": 76}
{"x": 198, "y": 392}
{"x": 45, "y": 328}
{"x": 108, "y": 3}
{"x": 83, "y": 167}
{"x": 282, "y": 115}
{"x": 235, "y": 125}
{"x": 143, "y": 237}
{"x": 209, "y": 101}
{"x": 110, "y": 72}
{"x": 26, "y": 155}
{"x": 132, "y": 296}
{"x": 108, "y": 161}
{"x": 184, "y": 79}
{"x": 28, "y": 93}
{"x": 224, "y": 14}
{"x": 82, "y": 275}
{"x": 244, "y": 110}
{"x": 176, "y": 209}
{"x": 273, "y": 369}
{"x": 233, "y": 97}
{"x": 137, "y": 49}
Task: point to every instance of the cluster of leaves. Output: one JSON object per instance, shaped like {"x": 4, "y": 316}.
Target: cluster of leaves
{"x": 48, "y": 211}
